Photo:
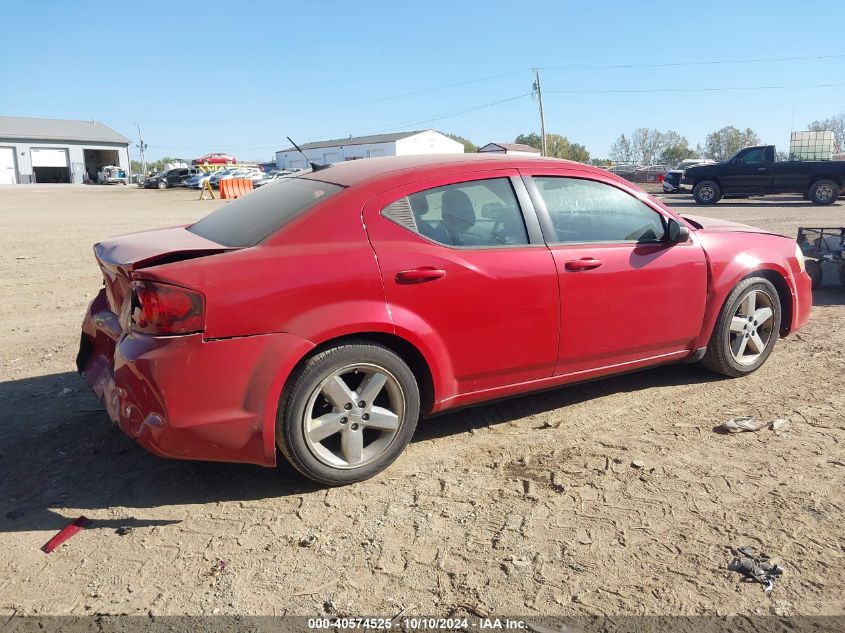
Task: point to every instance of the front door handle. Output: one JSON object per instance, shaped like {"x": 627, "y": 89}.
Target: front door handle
{"x": 419, "y": 275}
{"x": 761, "y": 169}
{"x": 585, "y": 263}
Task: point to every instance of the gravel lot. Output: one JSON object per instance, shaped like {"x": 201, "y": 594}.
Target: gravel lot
{"x": 529, "y": 506}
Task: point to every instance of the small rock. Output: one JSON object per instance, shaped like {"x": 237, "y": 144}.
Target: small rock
{"x": 123, "y": 530}
{"x": 637, "y": 464}
{"x": 308, "y": 541}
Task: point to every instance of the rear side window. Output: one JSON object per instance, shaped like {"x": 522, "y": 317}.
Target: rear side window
{"x": 588, "y": 211}
{"x": 250, "y": 219}
{"x": 477, "y": 213}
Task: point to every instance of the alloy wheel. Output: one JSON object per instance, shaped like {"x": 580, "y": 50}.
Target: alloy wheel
{"x": 353, "y": 415}
{"x": 824, "y": 193}
{"x": 706, "y": 193}
{"x": 751, "y": 327}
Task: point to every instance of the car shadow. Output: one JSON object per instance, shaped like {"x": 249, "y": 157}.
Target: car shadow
{"x": 833, "y": 295}
{"x": 686, "y": 201}
{"x": 60, "y": 456}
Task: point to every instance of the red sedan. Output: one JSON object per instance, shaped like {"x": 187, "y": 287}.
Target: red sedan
{"x": 323, "y": 315}
{"x": 215, "y": 159}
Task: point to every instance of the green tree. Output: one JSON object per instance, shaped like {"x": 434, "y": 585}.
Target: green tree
{"x": 557, "y": 146}
{"x": 724, "y": 143}
{"x": 533, "y": 139}
{"x": 835, "y": 124}
{"x": 469, "y": 146}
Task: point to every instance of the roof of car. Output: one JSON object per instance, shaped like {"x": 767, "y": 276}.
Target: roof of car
{"x": 356, "y": 171}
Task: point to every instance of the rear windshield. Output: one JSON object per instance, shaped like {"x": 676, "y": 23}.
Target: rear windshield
{"x": 250, "y": 219}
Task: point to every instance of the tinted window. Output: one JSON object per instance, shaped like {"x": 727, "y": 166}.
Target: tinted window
{"x": 466, "y": 214}
{"x": 587, "y": 211}
{"x": 751, "y": 157}
{"x": 250, "y": 219}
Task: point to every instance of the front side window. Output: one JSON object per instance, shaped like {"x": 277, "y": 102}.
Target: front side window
{"x": 752, "y": 157}
{"x": 589, "y": 211}
{"x": 478, "y": 213}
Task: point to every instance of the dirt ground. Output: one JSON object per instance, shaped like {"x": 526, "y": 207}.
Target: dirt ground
{"x": 615, "y": 496}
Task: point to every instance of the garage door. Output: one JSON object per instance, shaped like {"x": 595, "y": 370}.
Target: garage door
{"x": 7, "y": 166}
{"x": 49, "y": 157}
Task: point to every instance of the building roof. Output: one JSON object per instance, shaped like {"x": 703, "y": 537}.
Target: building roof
{"x": 14, "y": 127}
{"x": 510, "y": 147}
{"x": 356, "y": 140}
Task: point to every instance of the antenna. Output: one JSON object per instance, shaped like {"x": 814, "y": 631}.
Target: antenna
{"x": 314, "y": 166}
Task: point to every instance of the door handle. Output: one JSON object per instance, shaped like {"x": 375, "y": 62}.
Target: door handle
{"x": 419, "y": 275}
{"x": 761, "y": 169}
{"x": 585, "y": 263}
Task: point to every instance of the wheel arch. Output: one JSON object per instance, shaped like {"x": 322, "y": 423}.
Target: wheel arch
{"x": 403, "y": 348}
{"x": 710, "y": 177}
{"x": 784, "y": 295}
{"x": 832, "y": 177}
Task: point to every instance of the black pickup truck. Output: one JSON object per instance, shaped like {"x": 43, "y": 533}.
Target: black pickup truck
{"x": 753, "y": 171}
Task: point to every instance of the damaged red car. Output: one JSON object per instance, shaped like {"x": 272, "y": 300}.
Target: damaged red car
{"x": 323, "y": 315}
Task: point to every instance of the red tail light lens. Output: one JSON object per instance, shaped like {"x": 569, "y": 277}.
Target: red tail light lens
{"x": 164, "y": 309}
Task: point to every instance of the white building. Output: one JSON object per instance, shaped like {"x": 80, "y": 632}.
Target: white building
{"x": 356, "y": 147}
{"x": 54, "y": 150}
{"x": 509, "y": 148}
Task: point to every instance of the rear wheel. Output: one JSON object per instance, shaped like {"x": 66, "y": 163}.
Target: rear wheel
{"x": 824, "y": 192}
{"x": 814, "y": 270}
{"x": 348, "y": 414}
{"x": 707, "y": 192}
{"x": 746, "y": 330}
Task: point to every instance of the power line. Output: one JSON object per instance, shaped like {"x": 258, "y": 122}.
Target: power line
{"x": 696, "y": 63}
{"x": 719, "y": 89}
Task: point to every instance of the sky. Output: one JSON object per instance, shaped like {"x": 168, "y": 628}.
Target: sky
{"x": 236, "y": 77}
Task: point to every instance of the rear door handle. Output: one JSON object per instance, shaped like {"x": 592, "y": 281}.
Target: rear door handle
{"x": 419, "y": 275}
{"x": 585, "y": 263}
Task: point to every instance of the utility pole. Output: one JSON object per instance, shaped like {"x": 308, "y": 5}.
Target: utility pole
{"x": 538, "y": 91}
{"x": 142, "y": 146}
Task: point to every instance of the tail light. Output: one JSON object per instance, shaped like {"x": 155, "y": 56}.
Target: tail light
{"x": 164, "y": 309}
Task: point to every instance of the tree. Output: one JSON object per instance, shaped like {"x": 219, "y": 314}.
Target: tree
{"x": 469, "y": 146}
{"x": 835, "y": 124}
{"x": 532, "y": 139}
{"x": 620, "y": 151}
{"x": 557, "y": 146}
{"x": 724, "y": 143}
{"x": 673, "y": 149}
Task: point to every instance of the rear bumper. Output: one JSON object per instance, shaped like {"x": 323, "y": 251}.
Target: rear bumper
{"x": 187, "y": 398}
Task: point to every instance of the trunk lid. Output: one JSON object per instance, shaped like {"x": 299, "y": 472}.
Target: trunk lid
{"x": 118, "y": 257}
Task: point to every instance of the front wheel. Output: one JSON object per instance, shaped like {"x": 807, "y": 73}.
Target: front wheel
{"x": 707, "y": 192}
{"x": 746, "y": 330}
{"x": 824, "y": 192}
{"x": 348, "y": 413}
{"x": 162, "y": 184}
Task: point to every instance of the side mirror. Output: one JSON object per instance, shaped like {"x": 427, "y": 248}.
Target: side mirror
{"x": 677, "y": 233}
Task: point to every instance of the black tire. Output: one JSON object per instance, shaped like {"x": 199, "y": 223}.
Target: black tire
{"x": 301, "y": 390}
{"x": 824, "y": 192}
{"x": 814, "y": 270}
{"x": 707, "y": 192}
{"x": 719, "y": 357}
{"x": 806, "y": 195}
{"x": 162, "y": 184}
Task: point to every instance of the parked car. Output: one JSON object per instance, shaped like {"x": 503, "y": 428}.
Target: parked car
{"x": 230, "y": 173}
{"x": 273, "y": 176}
{"x": 215, "y": 159}
{"x": 111, "y": 175}
{"x": 755, "y": 171}
{"x": 169, "y": 178}
{"x": 324, "y": 314}
{"x": 197, "y": 180}
{"x": 672, "y": 181}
